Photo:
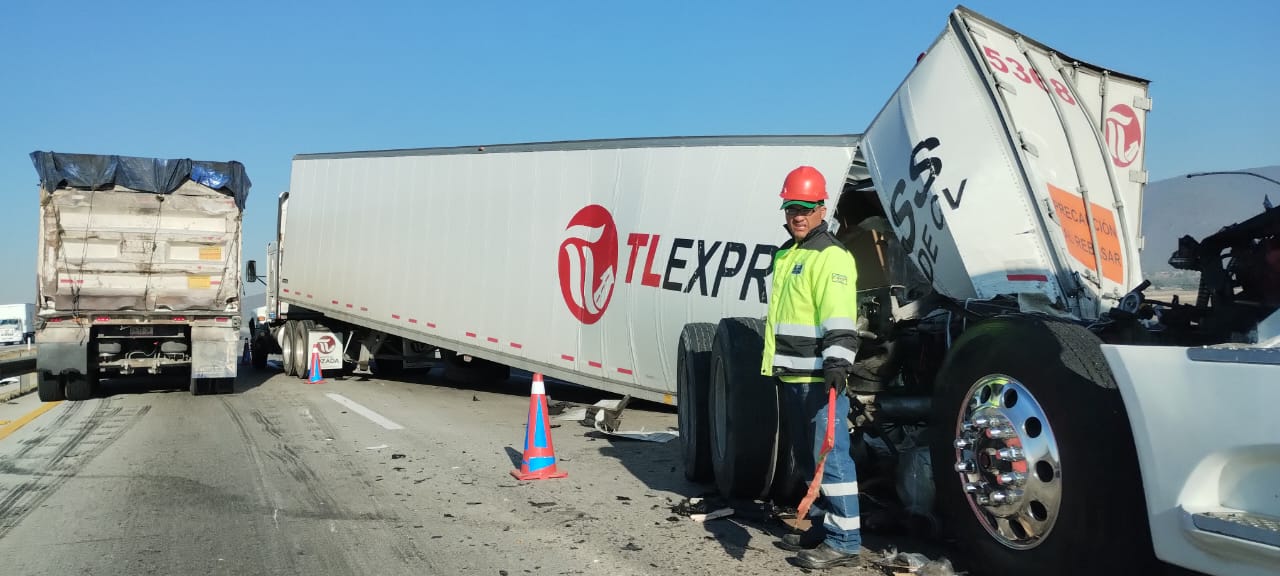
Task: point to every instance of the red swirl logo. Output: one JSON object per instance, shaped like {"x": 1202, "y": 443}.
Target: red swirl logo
{"x": 325, "y": 344}
{"x": 588, "y": 260}
{"x": 1124, "y": 135}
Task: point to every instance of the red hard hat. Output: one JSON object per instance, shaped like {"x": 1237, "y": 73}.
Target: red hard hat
{"x": 805, "y": 184}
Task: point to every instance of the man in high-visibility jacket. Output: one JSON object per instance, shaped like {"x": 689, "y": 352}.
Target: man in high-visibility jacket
{"x": 810, "y": 344}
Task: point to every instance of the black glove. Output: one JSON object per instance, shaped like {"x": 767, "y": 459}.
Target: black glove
{"x": 836, "y": 378}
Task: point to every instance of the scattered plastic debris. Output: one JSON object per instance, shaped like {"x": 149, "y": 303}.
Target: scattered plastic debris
{"x": 914, "y": 563}
{"x": 575, "y": 414}
{"x": 721, "y": 513}
{"x": 662, "y": 436}
{"x": 606, "y": 416}
{"x": 939, "y": 567}
{"x": 703, "y": 509}
{"x": 378, "y": 447}
{"x": 397, "y": 456}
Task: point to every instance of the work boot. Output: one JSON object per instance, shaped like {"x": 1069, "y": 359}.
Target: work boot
{"x": 808, "y": 539}
{"x": 824, "y": 556}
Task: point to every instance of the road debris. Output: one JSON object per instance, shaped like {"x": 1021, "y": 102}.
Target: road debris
{"x": 397, "y": 456}
{"x": 378, "y": 447}
{"x": 703, "y": 509}
{"x": 606, "y": 417}
{"x": 914, "y": 563}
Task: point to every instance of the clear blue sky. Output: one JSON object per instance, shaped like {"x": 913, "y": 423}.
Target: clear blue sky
{"x": 261, "y": 81}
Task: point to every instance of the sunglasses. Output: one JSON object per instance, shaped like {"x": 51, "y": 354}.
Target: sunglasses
{"x": 799, "y": 210}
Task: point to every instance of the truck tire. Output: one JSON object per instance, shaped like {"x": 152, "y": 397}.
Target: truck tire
{"x": 79, "y": 388}
{"x": 693, "y": 375}
{"x": 258, "y": 352}
{"x": 302, "y": 354}
{"x": 743, "y": 405}
{"x": 1045, "y": 388}
{"x": 788, "y": 482}
{"x": 50, "y": 389}
{"x": 288, "y": 349}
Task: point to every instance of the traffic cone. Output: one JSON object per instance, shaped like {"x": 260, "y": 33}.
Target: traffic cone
{"x": 315, "y": 375}
{"x": 539, "y": 460}
{"x": 245, "y": 358}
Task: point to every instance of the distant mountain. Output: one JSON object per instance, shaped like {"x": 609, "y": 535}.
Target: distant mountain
{"x": 1198, "y": 206}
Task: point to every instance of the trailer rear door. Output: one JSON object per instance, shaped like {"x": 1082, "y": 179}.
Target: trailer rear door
{"x": 1003, "y": 164}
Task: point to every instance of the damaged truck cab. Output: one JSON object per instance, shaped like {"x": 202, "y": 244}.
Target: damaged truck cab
{"x": 993, "y": 207}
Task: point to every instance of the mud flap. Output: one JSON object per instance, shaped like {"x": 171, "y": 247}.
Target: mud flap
{"x": 214, "y": 352}
{"x": 63, "y": 349}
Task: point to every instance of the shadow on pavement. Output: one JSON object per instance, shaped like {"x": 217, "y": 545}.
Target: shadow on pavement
{"x": 143, "y": 384}
{"x": 248, "y": 378}
{"x": 177, "y": 381}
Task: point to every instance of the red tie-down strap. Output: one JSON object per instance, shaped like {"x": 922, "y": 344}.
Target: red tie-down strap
{"x": 828, "y": 443}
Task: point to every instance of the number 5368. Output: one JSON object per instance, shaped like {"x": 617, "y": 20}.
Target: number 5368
{"x": 1003, "y": 63}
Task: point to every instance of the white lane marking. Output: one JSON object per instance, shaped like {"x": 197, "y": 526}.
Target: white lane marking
{"x": 375, "y": 417}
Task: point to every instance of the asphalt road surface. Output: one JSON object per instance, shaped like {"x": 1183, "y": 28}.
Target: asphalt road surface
{"x": 350, "y": 477}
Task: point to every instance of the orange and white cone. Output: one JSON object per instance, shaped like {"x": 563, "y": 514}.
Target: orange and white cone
{"x": 539, "y": 460}
{"x": 315, "y": 374}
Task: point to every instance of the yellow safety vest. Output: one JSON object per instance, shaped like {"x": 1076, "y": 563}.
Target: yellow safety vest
{"x": 813, "y": 309}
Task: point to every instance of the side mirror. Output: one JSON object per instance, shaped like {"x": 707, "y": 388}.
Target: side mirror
{"x": 251, "y": 271}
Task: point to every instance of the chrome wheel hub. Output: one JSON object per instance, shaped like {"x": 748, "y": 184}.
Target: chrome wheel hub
{"x": 1007, "y": 459}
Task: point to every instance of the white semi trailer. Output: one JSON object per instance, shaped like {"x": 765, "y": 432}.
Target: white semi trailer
{"x": 138, "y": 270}
{"x": 1073, "y": 425}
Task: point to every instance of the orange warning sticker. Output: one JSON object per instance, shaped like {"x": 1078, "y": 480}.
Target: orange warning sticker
{"x": 199, "y": 282}
{"x": 1071, "y": 215}
{"x": 211, "y": 253}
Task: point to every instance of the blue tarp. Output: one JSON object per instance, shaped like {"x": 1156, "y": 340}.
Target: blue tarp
{"x": 150, "y": 175}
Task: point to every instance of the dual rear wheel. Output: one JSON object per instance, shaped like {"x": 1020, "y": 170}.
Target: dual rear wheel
{"x": 730, "y": 424}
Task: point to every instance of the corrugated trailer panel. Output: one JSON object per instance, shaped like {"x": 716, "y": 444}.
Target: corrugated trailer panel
{"x": 120, "y": 250}
{"x": 513, "y": 250}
